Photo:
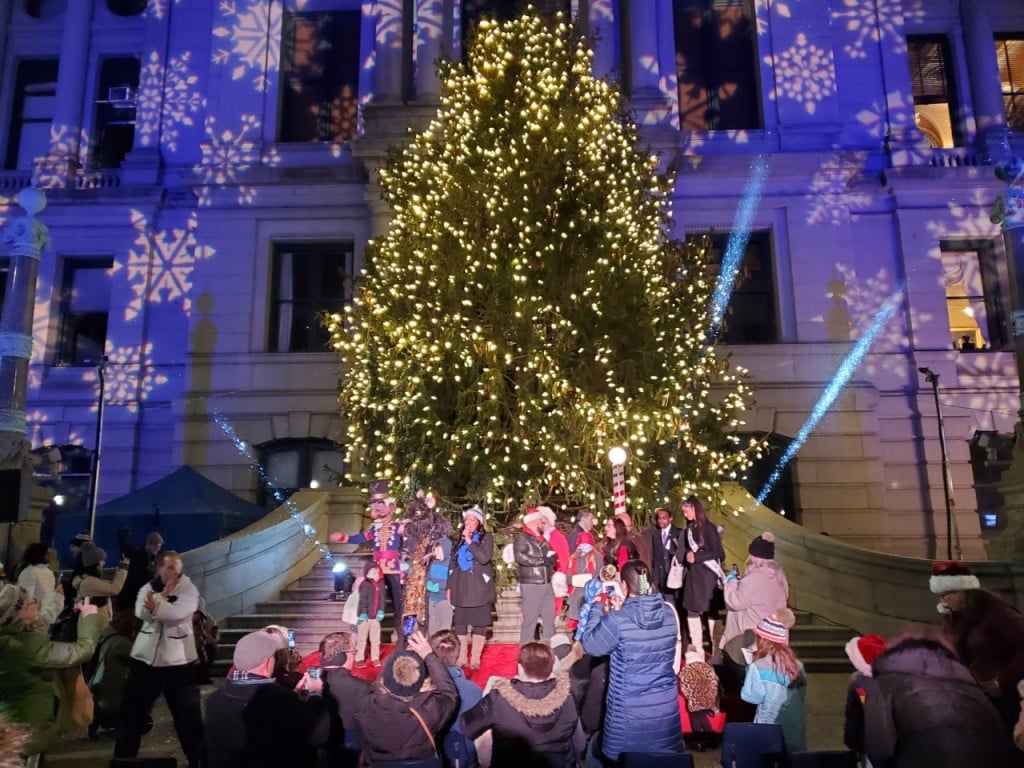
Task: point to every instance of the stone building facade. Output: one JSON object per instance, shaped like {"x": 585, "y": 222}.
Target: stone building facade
{"x": 210, "y": 174}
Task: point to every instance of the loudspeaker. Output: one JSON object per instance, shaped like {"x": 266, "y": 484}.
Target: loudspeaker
{"x": 10, "y": 494}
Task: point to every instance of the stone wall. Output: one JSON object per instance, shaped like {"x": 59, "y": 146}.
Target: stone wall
{"x": 256, "y": 563}
{"x": 867, "y": 591}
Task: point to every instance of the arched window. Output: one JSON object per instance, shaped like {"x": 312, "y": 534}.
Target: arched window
{"x": 287, "y": 466}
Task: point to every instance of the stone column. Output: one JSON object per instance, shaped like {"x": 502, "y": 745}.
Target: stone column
{"x": 389, "y": 56}
{"x": 601, "y": 22}
{"x": 644, "y": 68}
{"x": 63, "y": 161}
{"x": 27, "y": 237}
{"x": 433, "y": 40}
{"x": 983, "y": 75}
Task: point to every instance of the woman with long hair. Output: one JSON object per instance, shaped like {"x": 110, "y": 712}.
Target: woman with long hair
{"x": 471, "y": 589}
{"x": 775, "y": 680}
{"x": 703, "y": 555}
{"x": 641, "y": 635}
{"x": 617, "y": 549}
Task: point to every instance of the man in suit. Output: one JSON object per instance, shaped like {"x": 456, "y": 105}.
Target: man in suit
{"x": 663, "y": 540}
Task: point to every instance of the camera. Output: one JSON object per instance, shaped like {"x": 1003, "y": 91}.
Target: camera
{"x": 157, "y": 584}
{"x": 408, "y": 625}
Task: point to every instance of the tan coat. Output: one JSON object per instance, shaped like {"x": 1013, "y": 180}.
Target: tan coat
{"x": 93, "y": 586}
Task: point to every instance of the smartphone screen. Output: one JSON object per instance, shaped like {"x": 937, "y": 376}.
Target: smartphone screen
{"x": 314, "y": 673}
{"x": 291, "y": 640}
{"x": 609, "y": 590}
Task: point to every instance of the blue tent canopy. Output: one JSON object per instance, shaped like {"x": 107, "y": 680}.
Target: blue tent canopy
{"x": 187, "y": 509}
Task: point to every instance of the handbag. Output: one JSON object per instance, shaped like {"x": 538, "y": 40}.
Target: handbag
{"x": 676, "y": 573}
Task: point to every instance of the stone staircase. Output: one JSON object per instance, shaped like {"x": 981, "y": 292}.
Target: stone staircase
{"x": 306, "y": 607}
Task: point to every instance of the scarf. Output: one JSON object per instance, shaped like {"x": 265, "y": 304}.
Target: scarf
{"x": 465, "y": 557}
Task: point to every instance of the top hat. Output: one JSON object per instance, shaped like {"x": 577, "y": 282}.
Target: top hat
{"x": 379, "y": 490}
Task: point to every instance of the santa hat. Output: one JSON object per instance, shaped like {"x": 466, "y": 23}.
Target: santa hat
{"x": 548, "y": 514}
{"x": 863, "y": 651}
{"x": 532, "y": 516}
{"x": 951, "y": 576}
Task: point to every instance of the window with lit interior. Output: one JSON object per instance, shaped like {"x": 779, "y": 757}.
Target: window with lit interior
{"x": 308, "y": 279}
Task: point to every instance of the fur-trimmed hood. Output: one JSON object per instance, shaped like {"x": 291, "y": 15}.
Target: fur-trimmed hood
{"x": 535, "y": 700}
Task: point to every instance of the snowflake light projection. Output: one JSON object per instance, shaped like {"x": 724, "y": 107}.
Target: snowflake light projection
{"x": 860, "y": 22}
{"x": 806, "y": 73}
{"x": 761, "y": 10}
{"x": 900, "y": 115}
{"x": 129, "y": 378}
{"x": 254, "y": 31}
{"x": 51, "y": 171}
{"x": 159, "y": 265}
{"x": 228, "y": 154}
{"x": 171, "y": 92}
{"x": 861, "y": 301}
{"x": 829, "y": 194}
{"x": 158, "y": 8}
{"x": 42, "y": 432}
{"x": 968, "y": 219}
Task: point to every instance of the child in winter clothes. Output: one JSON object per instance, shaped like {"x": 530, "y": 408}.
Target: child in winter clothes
{"x": 700, "y": 688}
{"x": 862, "y": 652}
{"x": 775, "y": 680}
{"x": 600, "y": 588}
{"x": 371, "y": 614}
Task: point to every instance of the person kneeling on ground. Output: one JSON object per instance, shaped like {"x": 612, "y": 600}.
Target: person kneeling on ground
{"x": 413, "y": 698}
{"x": 533, "y": 716}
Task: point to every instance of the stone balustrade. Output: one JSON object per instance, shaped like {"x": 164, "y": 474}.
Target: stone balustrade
{"x": 867, "y": 591}
{"x": 256, "y": 563}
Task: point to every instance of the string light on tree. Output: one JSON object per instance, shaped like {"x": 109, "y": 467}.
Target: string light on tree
{"x": 525, "y": 310}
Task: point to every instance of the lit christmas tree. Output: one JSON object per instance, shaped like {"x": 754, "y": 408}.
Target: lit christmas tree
{"x": 525, "y": 311}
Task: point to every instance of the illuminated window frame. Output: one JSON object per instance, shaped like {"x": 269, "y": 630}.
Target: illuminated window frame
{"x": 313, "y": 458}
{"x": 76, "y": 325}
{"x": 298, "y": 297}
{"x": 715, "y": 65}
{"x": 752, "y": 316}
{"x": 1010, "y": 53}
{"x": 933, "y": 84}
{"x": 36, "y": 78}
{"x": 980, "y": 273}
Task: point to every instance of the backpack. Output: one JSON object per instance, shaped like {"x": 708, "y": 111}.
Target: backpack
{"x": 206, "y": 632}
{"x": 350, "y": 612}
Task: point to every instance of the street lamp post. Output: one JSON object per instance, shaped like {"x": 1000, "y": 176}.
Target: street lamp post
{"x": 617, "y": 456}
{"x": 947, "y": 487}
{"x": 94, "y": 481}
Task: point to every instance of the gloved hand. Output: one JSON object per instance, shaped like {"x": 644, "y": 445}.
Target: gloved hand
{"x": 380, "y": 615}
{"x": 362, "y": 617}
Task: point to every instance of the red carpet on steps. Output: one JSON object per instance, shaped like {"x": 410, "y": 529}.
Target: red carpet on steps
{"x": 498, "y": 659}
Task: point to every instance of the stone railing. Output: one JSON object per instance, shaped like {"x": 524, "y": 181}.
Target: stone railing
{"x": 256, "y": 563}
{"x": 867, "y": 591}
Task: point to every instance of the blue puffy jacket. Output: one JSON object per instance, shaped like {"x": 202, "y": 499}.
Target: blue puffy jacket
{"x": 642, "y": 705}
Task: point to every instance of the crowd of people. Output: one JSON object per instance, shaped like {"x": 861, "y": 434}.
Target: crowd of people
{"x": 662, "y": 644}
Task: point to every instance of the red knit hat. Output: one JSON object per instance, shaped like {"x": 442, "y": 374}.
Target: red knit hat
{"x": 951, "y": 576}
{"x": 863, "y": 651}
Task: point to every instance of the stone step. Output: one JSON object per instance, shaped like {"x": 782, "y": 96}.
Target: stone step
{"x": 309, "y": 607}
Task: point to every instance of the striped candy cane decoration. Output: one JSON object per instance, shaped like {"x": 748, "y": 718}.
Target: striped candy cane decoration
{"x": 619, "y": 487}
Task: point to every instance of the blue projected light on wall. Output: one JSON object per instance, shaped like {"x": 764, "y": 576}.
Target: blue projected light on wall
{"x": 828, "y": 397}
{"x": 737, "y": 244}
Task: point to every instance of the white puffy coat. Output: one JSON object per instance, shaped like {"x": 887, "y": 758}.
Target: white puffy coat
{"x": 166, "y": 637}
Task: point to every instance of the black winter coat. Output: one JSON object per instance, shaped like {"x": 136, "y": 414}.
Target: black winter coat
{"x": 534, "y": 557}
{"x": 391, "y": 731}
{"x": 926, "y": 711}
{"x": 343, "y": 692}
{"x": 533, "y": 723}
{"x": 476, "y": 587}
{"x": 700, "y": 581}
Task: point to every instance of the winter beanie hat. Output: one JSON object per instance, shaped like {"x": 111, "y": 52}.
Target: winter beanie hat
{"x": 12, "y": 600}
{"x": 763, "y": 546}
{"x": 775, "y": 628}
{"x": 951, "y": 576}
{"x": 92, "y": 556}
{"x": 862, "y": 652}
{"x": 474, "y": 512}
{"x": 404, "y": 673}
{"x": 254, "y": 649}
